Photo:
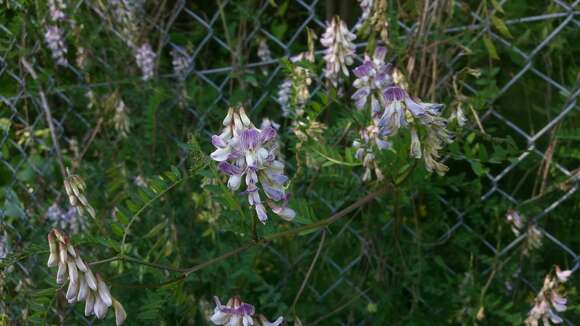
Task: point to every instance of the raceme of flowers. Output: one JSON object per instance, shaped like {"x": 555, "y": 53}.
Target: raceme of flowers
{"x": 550, "y": 300}
{"x": 83, "y": 285}
{"x": 243, "y": 150}
{"x": 236, "y": 312}
{"x": 75, "y": 188}
{"x": 67, "y": 220}
{"x": 294, "y": 91}
{"x": 393, "y": 109}
{"x": 145, "y": 58}
{"x": 55, "y": 42}
{"x": 339, "y": 52}
{"x": 180, "y": 62}
{"x": 533, "y": 238}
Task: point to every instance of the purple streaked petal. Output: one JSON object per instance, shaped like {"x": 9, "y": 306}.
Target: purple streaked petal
{"x": 394, "y": 94}
{"x": 218, "y": 142}
{"x": 380, "y": 54}
{"x": 249, "y": 139}
{"x": 363, "y": 70}
{"x": 268, "y": 134}
{"x": 415, "y": 108}
{"x": 273, "y": 193}
{"x": 277, "y": 178}
{"x": 229, "y": 169}
{"x": 261, "y": 211}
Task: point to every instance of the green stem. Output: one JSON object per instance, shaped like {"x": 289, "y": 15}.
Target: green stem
{"x": 144, "y": 207}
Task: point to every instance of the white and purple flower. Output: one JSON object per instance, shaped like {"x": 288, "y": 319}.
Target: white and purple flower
{"x": 339, "y": 53}
{"x": 238, "y": 313}
{"x": 145, "y": 58}
{"x": 246, "y": 152}
{"x": 55, "y": 41}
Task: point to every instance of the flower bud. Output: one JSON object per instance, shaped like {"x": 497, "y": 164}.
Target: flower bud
{"x": 103, "y": 291}
{"x": 120, "y": 313}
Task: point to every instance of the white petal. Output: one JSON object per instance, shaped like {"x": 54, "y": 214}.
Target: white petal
{"x": 91, "y": 280}
{"x": 234, "y": 182}
{"x": 89, "y": 305}
{"x": 72, "y": 291}
{"x": 61, "y": 274}
{"x": 219, "y": 317}
{"x": 80, "y": 264}
{"x": 100, "y": 308}
{"x": 221, "y": 154}
{"x": 103, "y": 291}
{"x": 83, "y": 289}
{"x": 72, "y": 271}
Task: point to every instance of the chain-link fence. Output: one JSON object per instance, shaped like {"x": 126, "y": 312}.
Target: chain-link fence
{"x": 65, "y": 126}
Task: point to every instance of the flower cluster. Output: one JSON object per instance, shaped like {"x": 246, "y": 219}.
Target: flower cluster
{"x": 83, "y": 285}
{"x": 549, "y": 299}
{"x": 373, "y": 18}
{"x": 145, "y": 58}
{"x": 533, "y": 238}
{"x": 339, "y": 53}
{"x": 393, "y": 109}
{"x": 236, "y": 312}
{"x": 56, "y": 9}
{"x": 55, "y": 42}
{"x": 75, "y": 187}
{"x": 264, "y": 51}
{"x": 244, "y": 150}
{"x": 180, "y": 62}
{"x": 294, "y": 91}
{"x": 124, "y": 15}
{"x": 68, "y": 220}
{"x": 364, "y": 151}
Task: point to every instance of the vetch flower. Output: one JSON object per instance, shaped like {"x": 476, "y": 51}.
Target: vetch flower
{"x": 145, "y": 58}
{"x": 56, "y": 10}
{"x": 294, "y": 91}
{"x": 264, "y": 52}
{"x": 181, "y": 63}
{"x": 68, "y": 220}
{"x": 562, "y": 275}
{"x": 83, "y": 285}
{"x": 339, "y": 53}
{"x": 393, "y": 109}
{"x": 549, "y": 300}
{"x": 247, "y": 153}
{"x": 534, "y": 235}
{"x": 55, "y": 42}
{"x": 236, "y": 312}
{"x": 373, "y": 76}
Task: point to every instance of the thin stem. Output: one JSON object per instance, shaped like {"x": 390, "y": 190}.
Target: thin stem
{"x": 317, "y": 225}
{"x": 310, "y": 269}
{"x": 144, "y": 207}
